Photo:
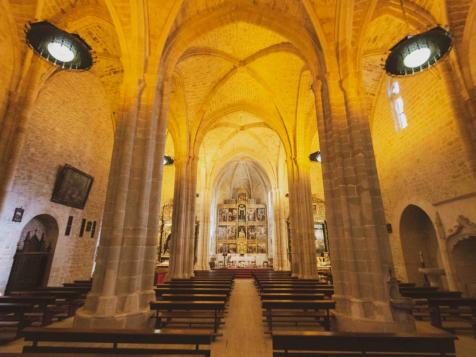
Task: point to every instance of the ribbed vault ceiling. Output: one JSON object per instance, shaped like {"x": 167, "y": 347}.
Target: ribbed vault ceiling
{"x": 242, "y": 88}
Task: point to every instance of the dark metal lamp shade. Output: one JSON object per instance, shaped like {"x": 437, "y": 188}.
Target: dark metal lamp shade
{"x": 315, "y": 156}
{"x": 168, "y": 160}
{"x": 61, "y": 48}
{"x": 416, "y": 53}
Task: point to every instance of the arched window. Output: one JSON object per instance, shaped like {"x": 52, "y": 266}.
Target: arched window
{"x": 398, "y": 107}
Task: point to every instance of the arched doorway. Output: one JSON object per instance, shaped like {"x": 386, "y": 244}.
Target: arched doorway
{"x": 419, "y": 241}
{"x": 464, "y": 258}
{"x": 35, "y": 250}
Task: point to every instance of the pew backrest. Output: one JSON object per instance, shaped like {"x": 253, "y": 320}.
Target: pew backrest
{"x": 284, "y": 342}
{"x": 115, "y": 337}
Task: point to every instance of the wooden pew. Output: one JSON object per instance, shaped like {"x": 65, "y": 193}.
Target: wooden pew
{"x": 196, "y": 285}
{"x": 115, "y": 337}
{"x": 174, "y": 309}
{"x": 431, "y": 294}
{"x": 293, "y": 309}
{"x": 326, "y": 292}
{"x": 193, "y": 297}
{"x": 316, "y": 343}
{"x": 291, "y": 296}
{"x": 42, "y": 306}
{"x": 420, "y": 298}
{"x": 12, "y": 315}
{"x": 68, "y": 300}
{"x": 191, "y": 290}
{"x": 204, "y": 280}
{"x": 454, "y": 312}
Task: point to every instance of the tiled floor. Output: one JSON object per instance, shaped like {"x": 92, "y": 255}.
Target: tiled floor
{"x": 243, "y": 335}
{"x": 243, "y": 332}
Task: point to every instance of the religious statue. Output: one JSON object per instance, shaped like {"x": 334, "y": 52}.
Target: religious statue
{"x": 241, "y": 212}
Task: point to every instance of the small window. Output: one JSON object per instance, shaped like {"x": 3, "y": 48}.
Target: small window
{"x": 397, "y": 105}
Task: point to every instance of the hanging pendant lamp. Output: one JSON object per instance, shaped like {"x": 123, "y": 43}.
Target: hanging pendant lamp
{"x": 315, "y": 156}
{"x": 66, "y": 50}
{"x": 168, "y": 160}
{"x": 419, "y": 52}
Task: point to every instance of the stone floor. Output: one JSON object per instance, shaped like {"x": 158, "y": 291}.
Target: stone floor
{"x": 243, "y": 332}
{"x": 243, "y": 335}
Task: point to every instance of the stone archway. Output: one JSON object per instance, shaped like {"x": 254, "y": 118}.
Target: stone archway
{"x": 418, "y": 238}
{"x": 463, "y": 255}
{"x": 34, "y": 255}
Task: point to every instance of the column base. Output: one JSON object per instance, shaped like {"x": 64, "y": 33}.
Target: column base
{"x": 366, "y": 316}
{"x": 85, "y": 319}
{"x": 350, "y": 324}
{"x": 101, "y": 311}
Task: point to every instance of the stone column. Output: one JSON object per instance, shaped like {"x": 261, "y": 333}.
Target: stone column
{"x": 183, "y": 219}
{"x": 204, "y": 234}
{"x": 280, "y": 259}
{"x": 122, "y": 281}
{"x": 359, "y": 246}
{"x": 303, "y": 249}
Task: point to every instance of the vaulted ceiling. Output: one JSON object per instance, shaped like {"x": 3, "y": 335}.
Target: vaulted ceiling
{"x": 242, "y": 88}
{"x": 241, "y": 53}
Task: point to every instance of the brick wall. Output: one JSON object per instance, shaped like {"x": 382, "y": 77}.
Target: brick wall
{"x": 7, "y": 52}
{"x": 425, "y": 163}
{"x": 71, "y": 124}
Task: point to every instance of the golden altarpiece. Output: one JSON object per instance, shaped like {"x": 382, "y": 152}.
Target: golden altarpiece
{"x": 242, "y": 232}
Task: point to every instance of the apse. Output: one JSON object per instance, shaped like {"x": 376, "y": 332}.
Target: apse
{"x": 242, "y": 223}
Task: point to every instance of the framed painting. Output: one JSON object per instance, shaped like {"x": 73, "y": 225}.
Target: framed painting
{"x": 72, "y": 187}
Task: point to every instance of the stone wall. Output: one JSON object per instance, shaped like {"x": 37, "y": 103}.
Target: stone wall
{"x": 423, "y": 164}
{"x": 7, "y": 53}
{"x": 71, "y": 123}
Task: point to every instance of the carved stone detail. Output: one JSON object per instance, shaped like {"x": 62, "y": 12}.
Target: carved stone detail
{"x": 463, "y": 229}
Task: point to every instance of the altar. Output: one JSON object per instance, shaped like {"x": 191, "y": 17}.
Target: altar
{"x": 242, "y": 261}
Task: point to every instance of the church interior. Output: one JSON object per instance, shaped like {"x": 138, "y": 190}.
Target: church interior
{"x": 238, "y": 177}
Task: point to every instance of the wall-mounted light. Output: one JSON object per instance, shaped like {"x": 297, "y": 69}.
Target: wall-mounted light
{"x": 168, "y": 160}
{"x": 416, "y": 53}
{"x": 315, "y": 156}
{"x": 61, "y": 48}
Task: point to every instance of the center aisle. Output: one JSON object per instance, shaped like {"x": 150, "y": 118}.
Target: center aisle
{"x": 243, "y": 334}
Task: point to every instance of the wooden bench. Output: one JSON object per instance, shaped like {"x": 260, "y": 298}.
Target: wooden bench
{"x": 294, "y": 309}
{"x": 66, "y": 299}
{"x": 193, "y": 297}
{"x": 189, "y": 290}
{"x": 292, "y": 296}
{"x": 293, "y": 286}
{"x": 174, "y": 309}
{"x": 116, "y": 337}
{"x": 316, "y": 344}
{"x": 454, "y": 312}
{"x": 420, "y": 298}
{"x": 196, "y": 285}
{"x": 41, "y": 306}
{"x": 431, "y": 294}
{"x": 326, "y": 292}
{"x": 12, "y": 315}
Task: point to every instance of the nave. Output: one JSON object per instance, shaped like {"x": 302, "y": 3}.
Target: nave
{"x": 153, "y": 153}
{"x": 262, "y": 316}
